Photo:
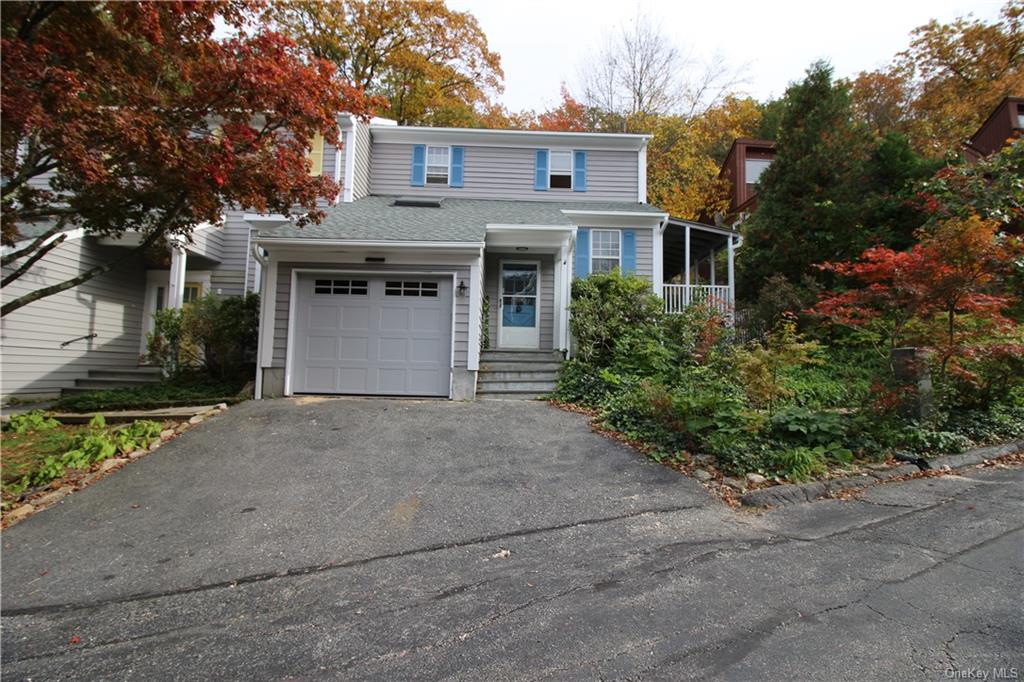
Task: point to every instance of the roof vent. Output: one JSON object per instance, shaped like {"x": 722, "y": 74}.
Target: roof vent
{"x": 419, "y": 202}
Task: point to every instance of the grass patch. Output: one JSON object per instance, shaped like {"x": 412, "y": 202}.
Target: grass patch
{"x": 23, "y": 453}
{"x": 171, "y": 393}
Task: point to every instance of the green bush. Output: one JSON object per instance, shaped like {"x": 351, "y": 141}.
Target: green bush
{"x": 807, "y": 426}
{"x": 612, "y": 316}
{"x": 36, "y": 420}
{"x": 800, "y": 463}
{"x": 186, "y": 388}
{"x": 217, "y": 333}
{"x": 582, "y": 384}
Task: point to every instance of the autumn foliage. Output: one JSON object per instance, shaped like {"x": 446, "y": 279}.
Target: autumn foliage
{"x": 949, "y": 292}
{"x": 134, "y": 116}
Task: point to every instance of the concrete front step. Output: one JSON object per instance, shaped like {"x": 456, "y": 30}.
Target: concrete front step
{"x": 101, "y": 384}
{"x": 538, "y": 387}
{"x": 510, "y": 395}
{"x": 521, "y": 366}
{"x": 151, "y": 373}
{"x": 518, "y": 374}
{"x": 521, "y": 356}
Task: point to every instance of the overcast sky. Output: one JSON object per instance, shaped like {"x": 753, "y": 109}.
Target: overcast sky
{"x": 544, "y": 42}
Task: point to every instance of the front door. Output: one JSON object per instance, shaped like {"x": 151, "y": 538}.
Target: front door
{"x": 519, "y": 319}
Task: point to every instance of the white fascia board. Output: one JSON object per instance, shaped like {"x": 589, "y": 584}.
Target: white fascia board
{"x": 77, "y": 233}
{"x": 507, "y": 227}
{"x": 266, "y": 218}
{"x": 275, "y": 241}
{"x": 632, "y": 214}
{"x": 702, "y": 227}
{"x": 391, "y": 134}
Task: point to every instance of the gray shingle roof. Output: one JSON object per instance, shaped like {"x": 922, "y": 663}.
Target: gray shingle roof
{"x": 376, "y": 218}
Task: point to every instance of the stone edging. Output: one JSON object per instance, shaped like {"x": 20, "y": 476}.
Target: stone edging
{"x": 42, "y": 499}
{"x": 795, "y": 493}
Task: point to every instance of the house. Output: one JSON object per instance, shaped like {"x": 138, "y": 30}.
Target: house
{"x": 746, "y": 160}
{"x": 1005, "y": 123}
{"x": 439, "y": 240}
{"x": 444, "y": 237}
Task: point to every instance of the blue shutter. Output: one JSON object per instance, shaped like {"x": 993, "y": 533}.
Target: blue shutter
{"x": 540, "y": 171}
{"x": 628, "y": 252}
{"x": 579, "y": 171}
{"x": 582, "y": 252}
{"x": 419, "y": 166}
{"x": 458, "y": 154}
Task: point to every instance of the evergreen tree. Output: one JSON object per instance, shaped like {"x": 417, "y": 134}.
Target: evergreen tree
{"x": 810, "y": 205}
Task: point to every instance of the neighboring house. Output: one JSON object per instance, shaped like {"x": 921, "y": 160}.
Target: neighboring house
{"x": 1005, "y": 123}
{"x": 387, "y": 295}
{"x": 747, "y": 159}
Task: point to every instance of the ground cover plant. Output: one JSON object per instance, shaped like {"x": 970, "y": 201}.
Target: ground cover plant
{"x": 38, "y": 449}
{"x": 808, "y": 398}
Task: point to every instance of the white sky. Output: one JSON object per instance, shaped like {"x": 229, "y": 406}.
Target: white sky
{"x": 544, "y": 42}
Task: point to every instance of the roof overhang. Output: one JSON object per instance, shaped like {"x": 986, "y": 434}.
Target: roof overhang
{"x": 391, "y": 134}
{"x": 591, "y": 218}
{"x": 266, "y": 242}
{"x": 703, "y": 227}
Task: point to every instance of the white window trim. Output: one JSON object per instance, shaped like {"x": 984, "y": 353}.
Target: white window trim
{"x": 426, "y": 165}
{"x": 594, "y": 241}
{"x": 572, "y": 168}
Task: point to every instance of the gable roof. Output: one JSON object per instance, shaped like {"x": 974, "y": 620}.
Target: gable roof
{"x": 377, "y": 218}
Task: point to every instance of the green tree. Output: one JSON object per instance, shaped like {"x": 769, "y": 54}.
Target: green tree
{"x": 810, "y": 197}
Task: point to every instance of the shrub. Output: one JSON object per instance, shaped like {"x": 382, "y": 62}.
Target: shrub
{"x": 762, "y": 366}
{"x": 799, "y": 463}
{"x": 808, "y": 426}
{"x": 218, "y": 333}
{"x": 611, "y": 316}
{"x": 582, "y": 384}
{"x": 36, "y": 420}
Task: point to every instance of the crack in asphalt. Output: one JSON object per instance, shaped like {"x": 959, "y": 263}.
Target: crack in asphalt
{"x": 333, "y": 566}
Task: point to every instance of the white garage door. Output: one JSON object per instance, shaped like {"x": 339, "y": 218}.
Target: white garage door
{"x": 379, "y": 335}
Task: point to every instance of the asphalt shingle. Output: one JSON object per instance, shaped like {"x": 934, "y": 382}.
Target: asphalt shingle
{"x": 456, "y": 220}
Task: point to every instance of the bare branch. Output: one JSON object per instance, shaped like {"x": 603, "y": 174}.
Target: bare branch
{"x": 36, "y": 243}
{"x": 24, "y": 267}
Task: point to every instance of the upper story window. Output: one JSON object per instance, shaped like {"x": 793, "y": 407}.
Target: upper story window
{"x": 437, "y": 165}
{"x": 561, "y": 170}
{"x": 1020, "y": 115}
{"x": 605, "y": 250}
{"x": 754, "y": 168}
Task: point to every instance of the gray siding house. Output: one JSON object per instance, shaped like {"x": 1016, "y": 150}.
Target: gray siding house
{"x": 440, "y": 239}
{"x": 445, "y": 269}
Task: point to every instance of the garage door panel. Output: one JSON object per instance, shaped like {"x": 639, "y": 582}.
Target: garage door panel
{"x": 365, "y": 340}
{"x": 355, "y": 348}
{"x": 426, "y": 320}
{"x": 324, "y": 317}
{"x": 355, "y": 318}
{"x": 321, "y": 348}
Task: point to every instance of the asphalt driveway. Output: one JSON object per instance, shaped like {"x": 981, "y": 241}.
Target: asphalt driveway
{"x": 373, "y": 539}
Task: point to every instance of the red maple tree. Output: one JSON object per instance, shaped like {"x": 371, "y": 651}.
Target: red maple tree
{"x": 137, "y": 117}
{"x": 949, "y": 293}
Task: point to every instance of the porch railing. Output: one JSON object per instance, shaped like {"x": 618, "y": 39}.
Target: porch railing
{"x": 678, "y": 296}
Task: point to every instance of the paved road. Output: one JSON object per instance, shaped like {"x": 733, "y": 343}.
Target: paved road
{"x": 403, "y": 540}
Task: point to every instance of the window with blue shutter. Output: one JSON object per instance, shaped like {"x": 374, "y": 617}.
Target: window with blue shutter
{"x": 458, "y": 157}
{"x": 582, "y": 268}
{"x": 540, "y": 174}
{"x": 579, "y": 171}
{"x": 419, "y": 166}
{"x": 628, "y": 252}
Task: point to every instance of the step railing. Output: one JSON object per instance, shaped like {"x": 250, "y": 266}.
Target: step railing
{"x": 678, "y": 297}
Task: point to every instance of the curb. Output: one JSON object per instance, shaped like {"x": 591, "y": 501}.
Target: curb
{"x": 795, "y": 493}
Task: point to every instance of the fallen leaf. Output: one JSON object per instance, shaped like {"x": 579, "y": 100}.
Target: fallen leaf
{"x": 75, "y": 639}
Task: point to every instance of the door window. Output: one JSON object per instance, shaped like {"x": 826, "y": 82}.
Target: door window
{"x": 519, "y": 295}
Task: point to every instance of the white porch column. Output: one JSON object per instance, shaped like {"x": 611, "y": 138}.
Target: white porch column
{"x": 176, "y": 280}
{"x": 711, "y": 260}
{"x": 732, "y": 274}
{"x": 658, "y": 259}
{"x": 687, "y": 280}
{"x": 476, "y": 309}
{"x": 563, "y": 295}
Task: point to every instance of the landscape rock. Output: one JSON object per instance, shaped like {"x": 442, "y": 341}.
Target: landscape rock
{"x": 20, "y": 512}
{"x": 222, "y": 406}
{"x": 703, "y": 460}
{"x": 755, "y": 479}
{"x": 52, "y": 497}
{"x": 196, "y": 419}
{"x": 167, "y": 433}
{"x": 702, "y": 475}
{"x": 111, "y": 463}
{"x": 734, "y": 483}
{"x": 137, "y": 454}
{"x": 154, "y": 445}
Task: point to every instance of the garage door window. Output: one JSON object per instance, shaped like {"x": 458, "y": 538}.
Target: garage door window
{"x": 347, "y": 287}
{"x": 410, "y": 288}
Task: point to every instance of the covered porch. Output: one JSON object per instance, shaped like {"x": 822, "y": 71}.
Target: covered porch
{"x": 694, "y": 256}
